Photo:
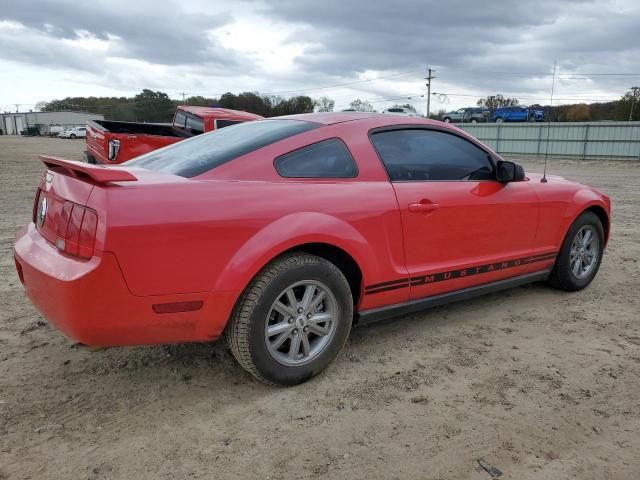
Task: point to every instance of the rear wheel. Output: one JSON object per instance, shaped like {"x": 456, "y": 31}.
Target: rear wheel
{"x": 292, "y": 320}
{"x": 580, "y": 255}
{"x": 72, "y": 136}
{"x": 446, "y": 120}
{"x": 473, "y": 120}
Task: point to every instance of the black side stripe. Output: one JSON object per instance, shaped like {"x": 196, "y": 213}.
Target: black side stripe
{"x": 453, "y": 274}
{"x": 385, "y": 289}
{"x": 386, "y": 284}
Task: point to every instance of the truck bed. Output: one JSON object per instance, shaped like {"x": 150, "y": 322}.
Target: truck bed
{"x": 134, "y": 128}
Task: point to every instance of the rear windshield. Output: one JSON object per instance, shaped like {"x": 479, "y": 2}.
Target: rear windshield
{"x": 227, "y": 123}
{"x": 200, "y": 154}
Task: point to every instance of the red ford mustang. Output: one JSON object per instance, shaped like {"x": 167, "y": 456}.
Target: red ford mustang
{"x": 279, "y": 233}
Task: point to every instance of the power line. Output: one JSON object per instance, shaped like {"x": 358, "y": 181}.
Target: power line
{"x": 343, "y": 84}
{"x": 548, "y": 74}
{"x": 526, "y": 96}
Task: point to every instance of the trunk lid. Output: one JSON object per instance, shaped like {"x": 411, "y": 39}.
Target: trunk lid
{"x": 60, "y": 212}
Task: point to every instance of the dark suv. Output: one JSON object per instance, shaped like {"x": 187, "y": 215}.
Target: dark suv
{"x": 466, "y": 115}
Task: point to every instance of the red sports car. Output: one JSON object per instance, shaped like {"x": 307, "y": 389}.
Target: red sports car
{"x": 280, "y": 233}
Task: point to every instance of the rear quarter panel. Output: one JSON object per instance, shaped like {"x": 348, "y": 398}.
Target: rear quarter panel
{"x": 214, "y": 233}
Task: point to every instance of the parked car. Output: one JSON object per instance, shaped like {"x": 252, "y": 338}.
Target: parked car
{"x": 517, "y": 114}
{"x": 278, "y": 234}
{"x": 467, "y": 115}
{"x": 111, "y": 141}
{"x": 76, "y": 132}
{"x": 401, "y": 111}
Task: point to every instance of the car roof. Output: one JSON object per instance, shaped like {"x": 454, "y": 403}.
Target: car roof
{"x": 220, "y": 113}
{"x": 372, "y": 119}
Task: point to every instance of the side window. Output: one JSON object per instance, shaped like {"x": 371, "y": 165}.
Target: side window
{"x": 226, "y": 123}
{"x": 195, "y": 124}
{"x": 422, "y": 155}
{"x": 326, "y": 159}
{"x": 180, "y": 119}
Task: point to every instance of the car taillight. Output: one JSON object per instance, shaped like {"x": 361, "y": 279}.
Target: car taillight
{"x": 114, "y": 148}
{"x": 76, "y": 230}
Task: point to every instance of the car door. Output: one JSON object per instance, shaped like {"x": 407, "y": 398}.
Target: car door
{"x": 461, "y": 227}
{"x": 521, "y": 114}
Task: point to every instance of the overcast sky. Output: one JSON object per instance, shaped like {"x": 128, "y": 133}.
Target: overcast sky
{"x": 380, "y": 48}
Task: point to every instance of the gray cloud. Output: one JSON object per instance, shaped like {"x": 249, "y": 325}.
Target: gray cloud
{"x": 471, "y": 41}
{"x": 148, "y": 31}
{"x": 471, "y": 44}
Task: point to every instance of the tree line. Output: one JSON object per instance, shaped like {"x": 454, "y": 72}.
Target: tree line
{"x": 157, "y": 106}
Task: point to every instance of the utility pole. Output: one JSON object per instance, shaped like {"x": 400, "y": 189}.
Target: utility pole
{"x": 184, "y": 94}
{"x": 17, "y": 107}
{"x": 634, "y": 96}
{"x": 428, "y": 79}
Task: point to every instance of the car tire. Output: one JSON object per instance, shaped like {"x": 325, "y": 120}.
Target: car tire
{"x": 266, "y": 331}
{"x": 473, "y": 120}
{"x": 499, "y": 120}
{"x": 446, "y": 120}
{"x": 72, "y": 136}
{"x": 579, "y": 258}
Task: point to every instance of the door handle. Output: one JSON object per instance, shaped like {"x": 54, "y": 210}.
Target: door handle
{"x": 423, "y": 207}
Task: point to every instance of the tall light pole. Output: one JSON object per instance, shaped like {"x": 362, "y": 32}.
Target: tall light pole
{"x": 428, "y": 79}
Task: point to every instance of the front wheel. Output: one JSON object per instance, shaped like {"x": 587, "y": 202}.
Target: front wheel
{"x": 499, "y": 120}
{"x": 72, "y": 136}
{"x": 292, "y": 320}
{"x": 447, "y": 120}
{"x": 580, "y": 255}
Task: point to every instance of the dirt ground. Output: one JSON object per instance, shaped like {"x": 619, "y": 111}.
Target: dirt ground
{"x": 541, "y": 384}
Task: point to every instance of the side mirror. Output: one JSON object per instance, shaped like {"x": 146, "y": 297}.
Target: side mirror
{"x": 509, "y": 172}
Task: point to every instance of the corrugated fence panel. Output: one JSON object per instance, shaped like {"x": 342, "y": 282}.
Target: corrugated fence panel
{"x": 579, "y": 139}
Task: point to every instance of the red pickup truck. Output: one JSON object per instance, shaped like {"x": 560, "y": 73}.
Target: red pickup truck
{"x": 112, "y": 142}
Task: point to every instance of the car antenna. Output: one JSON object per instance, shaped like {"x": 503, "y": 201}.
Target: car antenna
{"x": 546, "y": 150}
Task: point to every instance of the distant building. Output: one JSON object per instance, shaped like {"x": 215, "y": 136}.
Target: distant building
{"x": 14, "y": 123}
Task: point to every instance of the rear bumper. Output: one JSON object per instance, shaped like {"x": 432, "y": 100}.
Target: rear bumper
{"x": 90, "y": 302}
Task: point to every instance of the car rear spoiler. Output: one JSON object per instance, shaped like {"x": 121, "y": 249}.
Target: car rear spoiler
{"x": 84, "y": 171}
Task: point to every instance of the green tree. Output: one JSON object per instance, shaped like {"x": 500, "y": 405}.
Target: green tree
{"x": 199, "y": 101}
{"x": 497, "y": 101}
{"x": 150, "y": 106}
{"x": 628, "y": 107}
{"x": 361, "y": 106}
{"x": 324, "y": 104}
{"x": 578, "y": 113}
{"x": 408, "y": 106}
{"x": 294, "y": 105}
{"x": 439, "y": 115}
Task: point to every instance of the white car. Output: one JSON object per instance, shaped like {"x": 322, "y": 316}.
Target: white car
{"x": 401, "y": 111}
{"x": 76, "y": 132}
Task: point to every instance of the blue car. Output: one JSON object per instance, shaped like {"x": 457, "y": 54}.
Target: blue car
{"x": 517, "y": 114}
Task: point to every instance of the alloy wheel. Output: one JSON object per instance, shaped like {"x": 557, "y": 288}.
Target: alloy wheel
{"x": 585, "y": 250}
{"x": 301, "y": 322}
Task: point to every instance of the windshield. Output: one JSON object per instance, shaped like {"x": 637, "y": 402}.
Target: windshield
{"x": 205, "y": 152}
